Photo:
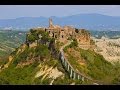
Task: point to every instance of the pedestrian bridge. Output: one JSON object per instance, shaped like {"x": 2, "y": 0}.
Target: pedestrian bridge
{"x": 71, "y": 71}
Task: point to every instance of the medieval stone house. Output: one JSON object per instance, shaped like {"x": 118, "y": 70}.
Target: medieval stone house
{"x": 63, "y": 33}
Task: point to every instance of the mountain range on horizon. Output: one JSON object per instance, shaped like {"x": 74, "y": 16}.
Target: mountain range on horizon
{"x": 91, "y": 21}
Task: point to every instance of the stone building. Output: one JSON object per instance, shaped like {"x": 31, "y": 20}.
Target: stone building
{"x": 63, "y": 33}
{"x": 56, "y": 32}
{"x": 83, "y": 37}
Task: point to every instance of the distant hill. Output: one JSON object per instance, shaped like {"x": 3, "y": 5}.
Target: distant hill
{"x": 107, "y": 34}
{"x": 9, "y": 40}
{"x": 88, "y": 21}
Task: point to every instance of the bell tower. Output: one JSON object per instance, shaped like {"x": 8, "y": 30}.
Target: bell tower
{"x": 50, "y": 23}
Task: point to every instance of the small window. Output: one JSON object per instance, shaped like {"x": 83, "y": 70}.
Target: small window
{"x": 62, "y": 36}
{"x": 55, "y": 36}
{"x": 49, "y": 32}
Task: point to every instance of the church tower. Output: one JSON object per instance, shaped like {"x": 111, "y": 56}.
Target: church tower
{"x": 50, "y": 23}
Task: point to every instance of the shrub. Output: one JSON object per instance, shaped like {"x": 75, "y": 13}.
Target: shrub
{"x": 42, "y": 51}
{"x": 31, "y": 38}
{"x": 92, "y": 42}
{"x": 76, "y": 30}
{"x": 74, "y": 43}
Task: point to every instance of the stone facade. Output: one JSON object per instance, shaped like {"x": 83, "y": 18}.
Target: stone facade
{"x": 83, "y": 37}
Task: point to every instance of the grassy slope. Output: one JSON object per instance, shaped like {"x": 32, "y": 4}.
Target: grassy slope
{"x": 95, "y": 66}
{"x": 25, "y": 75}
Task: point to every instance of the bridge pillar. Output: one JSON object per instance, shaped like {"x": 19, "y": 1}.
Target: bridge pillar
{"x": 62, "y": 59}
{"x": 74, "y": 75}
{"x": 78, "y": 77}
{"x": 68, "y": 67}
{"x": 87, "y": 80}
{"x": 82, "y": 78}
{"x": 71, "y": 72}
{"x": 65, "y": 63}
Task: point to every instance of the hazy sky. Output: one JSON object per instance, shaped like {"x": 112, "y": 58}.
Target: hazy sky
{"x": 15, "y": 11}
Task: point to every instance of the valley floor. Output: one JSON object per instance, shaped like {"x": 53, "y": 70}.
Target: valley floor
{"x": 109, "y": 48}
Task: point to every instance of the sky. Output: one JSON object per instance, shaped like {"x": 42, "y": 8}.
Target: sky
{"x": 16, "y": 11}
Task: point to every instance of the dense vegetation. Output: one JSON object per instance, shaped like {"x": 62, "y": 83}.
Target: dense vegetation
{"x": 37, "y": 34}
{"x": 18, "y": 74}
{"x": 74, "y": 43}
{"x": 25, "y": 75}
{"x": 14, "y": 75}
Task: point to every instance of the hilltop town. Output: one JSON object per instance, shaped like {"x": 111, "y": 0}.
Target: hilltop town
{"x": 63, "y": 34}
{"x": 58, "y": 55}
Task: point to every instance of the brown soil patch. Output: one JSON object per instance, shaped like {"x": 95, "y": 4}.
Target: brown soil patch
{"x": 22, "y": 64}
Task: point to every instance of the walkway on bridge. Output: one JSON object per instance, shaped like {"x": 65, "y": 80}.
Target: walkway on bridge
{"x": 72, "y": 72}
